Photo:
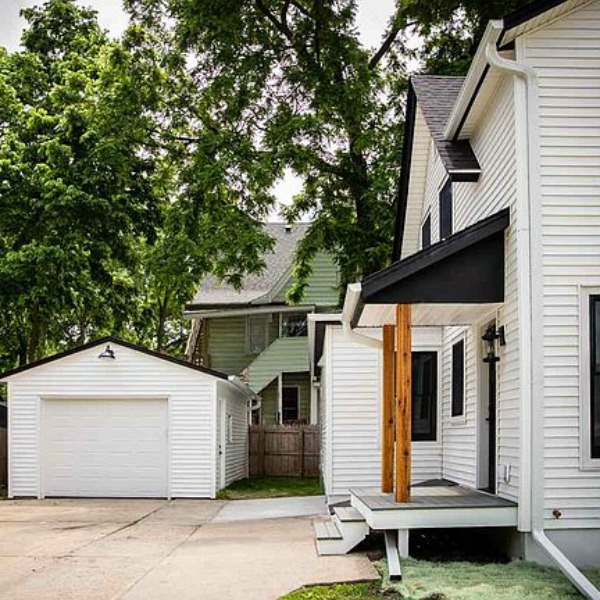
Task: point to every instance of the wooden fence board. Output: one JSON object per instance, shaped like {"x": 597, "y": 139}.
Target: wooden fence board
{"x": 3, "y": 457}
{"x": 284, "y": 450}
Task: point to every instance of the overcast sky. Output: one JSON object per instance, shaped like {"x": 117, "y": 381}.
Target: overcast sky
{"x": 372, "y": 19}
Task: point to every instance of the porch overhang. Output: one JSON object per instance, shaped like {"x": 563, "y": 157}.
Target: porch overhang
{"x": 455, "y": 282}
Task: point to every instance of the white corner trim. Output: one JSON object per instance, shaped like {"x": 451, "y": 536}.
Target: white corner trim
{"x": 586, "y": 462}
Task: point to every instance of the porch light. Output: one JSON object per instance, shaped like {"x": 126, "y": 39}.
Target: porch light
{"x": 107, "y": 353}
{"x": 489, "y": 343}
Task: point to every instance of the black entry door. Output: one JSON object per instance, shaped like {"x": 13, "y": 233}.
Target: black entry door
{"x": 492, "y": 426}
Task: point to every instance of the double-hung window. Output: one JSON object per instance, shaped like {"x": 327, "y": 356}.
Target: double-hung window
{"x": 458, "y": 379}
{"x": 424, "y": 396}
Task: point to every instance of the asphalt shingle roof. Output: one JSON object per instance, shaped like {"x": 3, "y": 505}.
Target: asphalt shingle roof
{"x": 436, "y": 96}
{"x": 256, "y": 287}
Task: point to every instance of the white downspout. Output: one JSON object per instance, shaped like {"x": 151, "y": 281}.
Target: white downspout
{"x": 531, "y": 325}
{"x": 350, "y": 306}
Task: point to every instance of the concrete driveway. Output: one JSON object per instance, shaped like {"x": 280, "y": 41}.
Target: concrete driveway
{"x": 154, "y": 549}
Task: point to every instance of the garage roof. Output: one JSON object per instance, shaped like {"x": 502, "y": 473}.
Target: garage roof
{"x": 114, "y": 340}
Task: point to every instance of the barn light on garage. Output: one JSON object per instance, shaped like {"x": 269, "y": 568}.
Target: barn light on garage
{"x": 107, "y": 353}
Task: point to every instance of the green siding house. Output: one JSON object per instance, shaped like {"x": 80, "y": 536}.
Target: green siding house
{"x": 256, "y": 334}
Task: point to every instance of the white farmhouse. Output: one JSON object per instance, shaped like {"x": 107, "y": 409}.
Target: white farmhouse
{"x": 496, "y": 273}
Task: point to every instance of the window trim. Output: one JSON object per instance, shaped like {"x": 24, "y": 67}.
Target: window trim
{"x": 297, "y": 387}
{"x": 586, "y": 462}
{"x": 266, "y": 334}
{"x": 461, "y": 417}
{"x": 447, "y": 184}
{"x": 427, "y": 218}
{"x": 438, "y": 404}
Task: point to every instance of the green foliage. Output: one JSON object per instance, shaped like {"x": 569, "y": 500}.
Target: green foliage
{"x": 271, "y": 487}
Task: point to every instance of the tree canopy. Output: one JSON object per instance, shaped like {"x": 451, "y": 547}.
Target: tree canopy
{"x": 131, "y": 169}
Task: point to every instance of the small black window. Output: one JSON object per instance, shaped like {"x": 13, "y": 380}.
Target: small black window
{"x": 458, "y": 378}
{"x": 426, "y": 232}
{"x": 424, "y": 396}
{"x": 446, "y": 211}
{"x": 294, "y": 325}
{"x": 595, "y": 374}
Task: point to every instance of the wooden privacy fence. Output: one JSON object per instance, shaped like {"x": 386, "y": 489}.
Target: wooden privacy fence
{"x": 3, "y": 457}
{"x": 284, "y": 450}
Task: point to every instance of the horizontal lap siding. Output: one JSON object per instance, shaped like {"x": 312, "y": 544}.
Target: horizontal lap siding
{"x": 566, "y": 56}
{"x": 355, "y": 408}
{"x": 236, "y": 450}
{"x": 494, "y": 146}
{"x": 191, "y": 394}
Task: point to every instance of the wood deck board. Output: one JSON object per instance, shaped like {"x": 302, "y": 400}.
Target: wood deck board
{"x": 432, "y": 497}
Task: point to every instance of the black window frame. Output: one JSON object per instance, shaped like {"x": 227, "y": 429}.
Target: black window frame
{"x": 431, "y": 408}
{"x": 286, "y": 419}
{"x": 426, "y": 233}
{"x": 458, "y": 379}
{"x": 446, "y": 211}
{"x": 594, "y": 399}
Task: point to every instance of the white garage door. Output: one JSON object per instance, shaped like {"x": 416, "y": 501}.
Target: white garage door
{"x": 104, "y": 448}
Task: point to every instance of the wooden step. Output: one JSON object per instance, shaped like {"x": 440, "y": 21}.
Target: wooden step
{"x": 348, "y": 514}
{"x": 326, "y": 530}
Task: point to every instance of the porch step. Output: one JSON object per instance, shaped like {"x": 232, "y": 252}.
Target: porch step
{"x": 340, "y": 533}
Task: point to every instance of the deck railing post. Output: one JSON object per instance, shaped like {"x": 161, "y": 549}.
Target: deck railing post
{"x": 403, "y": 401}
{"x": 387, "y": 433}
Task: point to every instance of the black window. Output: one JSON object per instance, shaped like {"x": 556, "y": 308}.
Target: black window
{"x": 294, "y": 325}
{"x": 424, "y": 396}
{"x": 290, "y": 404}
{"x": 595, "y": 374}
{"x": 446, "y": 211}
{"x": 458, "y": 378}
{"x": 426, "y": 233}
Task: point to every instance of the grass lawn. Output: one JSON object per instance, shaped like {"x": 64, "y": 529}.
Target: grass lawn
{"x": 271, "y": 487}
{"x": 425, "y": 580}
{"x": 3, "y": 492}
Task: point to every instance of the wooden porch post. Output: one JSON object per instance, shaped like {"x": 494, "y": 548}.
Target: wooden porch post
{"x": 387, "y": 425}
{"x": 403, "y": 401}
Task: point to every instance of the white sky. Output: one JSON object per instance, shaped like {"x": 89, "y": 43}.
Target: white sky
{"x": 372, "y": 19}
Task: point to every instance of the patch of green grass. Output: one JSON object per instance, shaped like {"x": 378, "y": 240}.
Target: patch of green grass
{"x": 425, "y": 580}
{"x": 271, "y": 487}
{"x": 3, "y": 492}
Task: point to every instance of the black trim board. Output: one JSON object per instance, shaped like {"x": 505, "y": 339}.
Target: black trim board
{"x": 319, "y": 342}
{"x": 407, "y": 146}
{"x": 113, "y": 340}
{"x": 466, "y": 268}
{"x": 529, "y": 11}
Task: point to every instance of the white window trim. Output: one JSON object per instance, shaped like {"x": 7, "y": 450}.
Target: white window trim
{"x": 586, "y": 462}
{"x": 462, "y": 418}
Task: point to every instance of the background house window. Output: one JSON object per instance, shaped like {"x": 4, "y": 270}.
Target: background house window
{"x": 426, "y": 232}
{"x": 256, "y": 334}
{"x": 458, "y": 378}
{"x": 446, "y": 211}
{"x": 294, "y": 325}
{"x": 595, "y": 375}
{"x": 290, "y": 404}
{"x": 424, "y": 396}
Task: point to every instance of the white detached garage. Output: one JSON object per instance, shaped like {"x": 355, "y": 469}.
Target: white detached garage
{"x": 111, "y": 419}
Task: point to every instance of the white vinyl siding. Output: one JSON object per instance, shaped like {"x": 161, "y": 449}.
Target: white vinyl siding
{"x": 493, "y": 143}
{"x": 191, "y": 419}
{"x": 352, "y": 426}
{"x": 235, "y": 443}
{"x": 566, "y": 57}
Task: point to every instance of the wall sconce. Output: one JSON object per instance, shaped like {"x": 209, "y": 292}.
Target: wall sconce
{"x": 489, "y": 343}
{"x": 107, "y": 353}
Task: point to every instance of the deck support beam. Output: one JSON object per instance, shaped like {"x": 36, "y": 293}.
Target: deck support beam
{"x": 403, "y": 402}
{"x": 387, "y": 446}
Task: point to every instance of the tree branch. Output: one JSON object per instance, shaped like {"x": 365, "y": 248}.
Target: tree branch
{"x": 387, "y": 44}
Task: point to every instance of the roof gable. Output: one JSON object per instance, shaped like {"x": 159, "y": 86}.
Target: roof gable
{"x": 116, "y": 341}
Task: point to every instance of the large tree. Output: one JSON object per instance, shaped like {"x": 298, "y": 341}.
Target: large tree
{"x": 287, "y": 84}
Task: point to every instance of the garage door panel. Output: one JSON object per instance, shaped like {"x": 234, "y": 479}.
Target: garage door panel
{"x": 105, "y": 448}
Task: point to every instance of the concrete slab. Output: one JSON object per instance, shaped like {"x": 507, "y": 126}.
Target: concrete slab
{"x": 261, "y": 559}
{"x": 272, "y": 508}
{"x": 155, "y": 550}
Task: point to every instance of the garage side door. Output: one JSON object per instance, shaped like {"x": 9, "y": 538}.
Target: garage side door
{"x": 104, "y": 448}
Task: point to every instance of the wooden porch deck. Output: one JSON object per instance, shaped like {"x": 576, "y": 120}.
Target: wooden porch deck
{"x": 435, "y": 505}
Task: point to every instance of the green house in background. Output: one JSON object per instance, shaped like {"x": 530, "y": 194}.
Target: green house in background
{"x": 257, "y": 335}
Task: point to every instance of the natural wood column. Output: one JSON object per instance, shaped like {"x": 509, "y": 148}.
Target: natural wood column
{"x": 403, "y": 401}
{"x": 387, "y": 424}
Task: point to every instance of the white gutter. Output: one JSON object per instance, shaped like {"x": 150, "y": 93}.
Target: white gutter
{"x": 351, "y": 306}
{"x": 531, "y": 323}
{"x": 242, "y": 387}
{"x": 476, "y": 71}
